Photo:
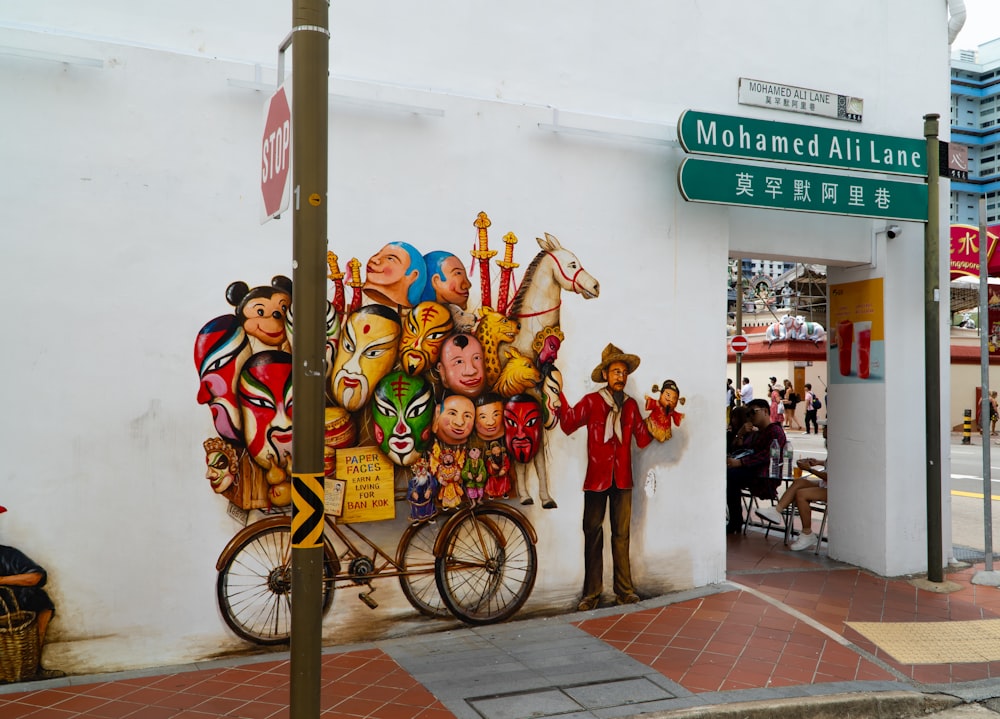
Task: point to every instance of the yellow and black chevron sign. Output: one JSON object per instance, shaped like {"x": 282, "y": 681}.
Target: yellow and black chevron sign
{"x": 307, "y": 511}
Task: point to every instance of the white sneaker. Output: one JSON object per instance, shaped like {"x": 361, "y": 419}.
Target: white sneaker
{"x": 805, "y": 541}
{"x": 771, "y": 514}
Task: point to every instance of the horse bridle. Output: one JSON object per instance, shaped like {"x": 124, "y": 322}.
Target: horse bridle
{"x": 573, "y": 283}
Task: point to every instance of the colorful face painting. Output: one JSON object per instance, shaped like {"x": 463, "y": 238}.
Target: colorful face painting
{"x": 367, "y": 350}
{"x": 448, "y": 281}
{"x": 220, "y": 351}
{"x": 424, "y": 331}
{"x": 461, "y": 367}
{"x": 220, "y": 460}
{"x": 489, "y": 417}
{"x": 263, "y": 310}
{"x": 265, "y": 399}
{"x": 551, "y": 389}
{"x": 454, "y": 419}
{"x": 396, "y": 275}
{"x": 522, "y": 417}
{"x": 403, "y": 408}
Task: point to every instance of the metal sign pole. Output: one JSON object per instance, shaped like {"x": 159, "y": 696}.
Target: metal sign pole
{"x": 987, "y": 576}
{"x": 310, "y": 130}
{"x": 932, "y": 357}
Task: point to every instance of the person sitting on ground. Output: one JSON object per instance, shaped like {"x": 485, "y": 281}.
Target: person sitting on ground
{"x": 751, "y": 471}
{"x": 801, "y": 491}
{"x": 25, "y": 579}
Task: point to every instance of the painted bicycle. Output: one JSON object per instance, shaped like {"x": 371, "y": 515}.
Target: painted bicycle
{"x": 478, "y": 564}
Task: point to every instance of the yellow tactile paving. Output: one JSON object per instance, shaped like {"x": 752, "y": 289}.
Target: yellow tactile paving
{"x": 935, "y": 642}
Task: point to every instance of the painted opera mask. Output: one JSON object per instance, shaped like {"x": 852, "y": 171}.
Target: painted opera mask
{"x": 402, "y": 409}
{"x": 523, "y": 427}
{"x": 265, "y": 399}
{"x": 369, "y": 341}
{"x": 552, "y": 395}
{"x": 220, "y": 351}
{"x": 424, "y": 331}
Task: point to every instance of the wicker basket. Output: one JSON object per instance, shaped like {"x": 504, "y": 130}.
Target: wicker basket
{"x": 18, "y": 640}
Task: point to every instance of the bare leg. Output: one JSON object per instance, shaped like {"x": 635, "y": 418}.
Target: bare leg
{"x": 789, "y": 495}
{"x": 802, "y": 500}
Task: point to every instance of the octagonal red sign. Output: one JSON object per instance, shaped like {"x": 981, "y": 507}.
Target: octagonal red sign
{"x": 276, "y": 154}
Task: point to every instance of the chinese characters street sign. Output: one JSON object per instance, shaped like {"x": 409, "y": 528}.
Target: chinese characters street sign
{"x": 733, "y": 183}
{"x": 793, "y": 98}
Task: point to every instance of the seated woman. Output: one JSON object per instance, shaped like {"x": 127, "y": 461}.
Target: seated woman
{"x": 802, "y": 491}
{"x": 749, "y": 470}
{"x": 738, "y": 429}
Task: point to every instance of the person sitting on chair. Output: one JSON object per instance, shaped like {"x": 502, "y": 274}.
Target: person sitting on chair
{"x": 751, "y": 471}
{"x": 801, "y": 491}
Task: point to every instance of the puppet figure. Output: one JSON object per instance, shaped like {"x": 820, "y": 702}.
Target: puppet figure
{"x": 449, "y": 478}
{"x": 498, "y": 472}
{"x": 421, "y": 491}
{"x": 663, "y": 410}
{"x": 474, "y": 475}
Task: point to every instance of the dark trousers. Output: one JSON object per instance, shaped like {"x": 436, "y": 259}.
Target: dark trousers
{"x": 811, "y": 417}
{"x": 594, "y": 503}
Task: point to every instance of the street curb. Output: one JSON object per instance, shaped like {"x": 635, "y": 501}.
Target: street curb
{"x": 856, "y": 705}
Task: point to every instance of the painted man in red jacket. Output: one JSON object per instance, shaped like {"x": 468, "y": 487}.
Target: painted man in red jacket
{"x": 612, "y": 419}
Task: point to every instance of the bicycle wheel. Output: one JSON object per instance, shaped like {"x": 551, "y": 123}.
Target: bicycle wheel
{"x": 254, "y": 587}
{"x": 415, "y": 558}
{"x": 487, "y": 568}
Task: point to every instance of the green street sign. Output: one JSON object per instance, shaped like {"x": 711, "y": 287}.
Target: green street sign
{"x": 744, "y": 137}
{"x": 735, "y": 183}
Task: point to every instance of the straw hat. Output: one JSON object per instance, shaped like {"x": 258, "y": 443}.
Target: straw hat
{"x": 613, "y": 354}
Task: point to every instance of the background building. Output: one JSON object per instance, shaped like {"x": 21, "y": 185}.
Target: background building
{"x": 975, "y": 110}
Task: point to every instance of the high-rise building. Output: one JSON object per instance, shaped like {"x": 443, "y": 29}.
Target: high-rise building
{"x": 975, "y": 109}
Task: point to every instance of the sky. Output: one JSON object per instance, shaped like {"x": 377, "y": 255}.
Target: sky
{"x": 982, "y": 24}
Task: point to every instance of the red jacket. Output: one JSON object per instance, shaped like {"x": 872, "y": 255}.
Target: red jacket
{"x": 609, "y": 461}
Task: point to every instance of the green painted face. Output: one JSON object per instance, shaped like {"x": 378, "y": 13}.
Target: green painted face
{"x": 403, "y": 410}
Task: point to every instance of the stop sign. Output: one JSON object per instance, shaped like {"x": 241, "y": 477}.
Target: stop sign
{"x": 276, "y": 152}
{"x": 739, "y": 343}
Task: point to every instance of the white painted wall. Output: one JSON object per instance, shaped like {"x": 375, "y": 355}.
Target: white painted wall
{"x": 131, "y": 203}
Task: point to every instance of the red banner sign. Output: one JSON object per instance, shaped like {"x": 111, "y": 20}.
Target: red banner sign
{"x": 965, "y": 251}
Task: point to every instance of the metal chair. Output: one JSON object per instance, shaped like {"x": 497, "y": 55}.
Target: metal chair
{"x": 792, "y": 511}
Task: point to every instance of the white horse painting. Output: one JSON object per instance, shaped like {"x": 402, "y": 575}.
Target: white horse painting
{"x": 536, "y": 307}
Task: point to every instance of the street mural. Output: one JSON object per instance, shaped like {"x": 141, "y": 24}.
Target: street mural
{"x": 454, "y": 400}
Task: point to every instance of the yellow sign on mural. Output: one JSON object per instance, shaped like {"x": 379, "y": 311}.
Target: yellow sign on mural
{"x": 368, "y": 493}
